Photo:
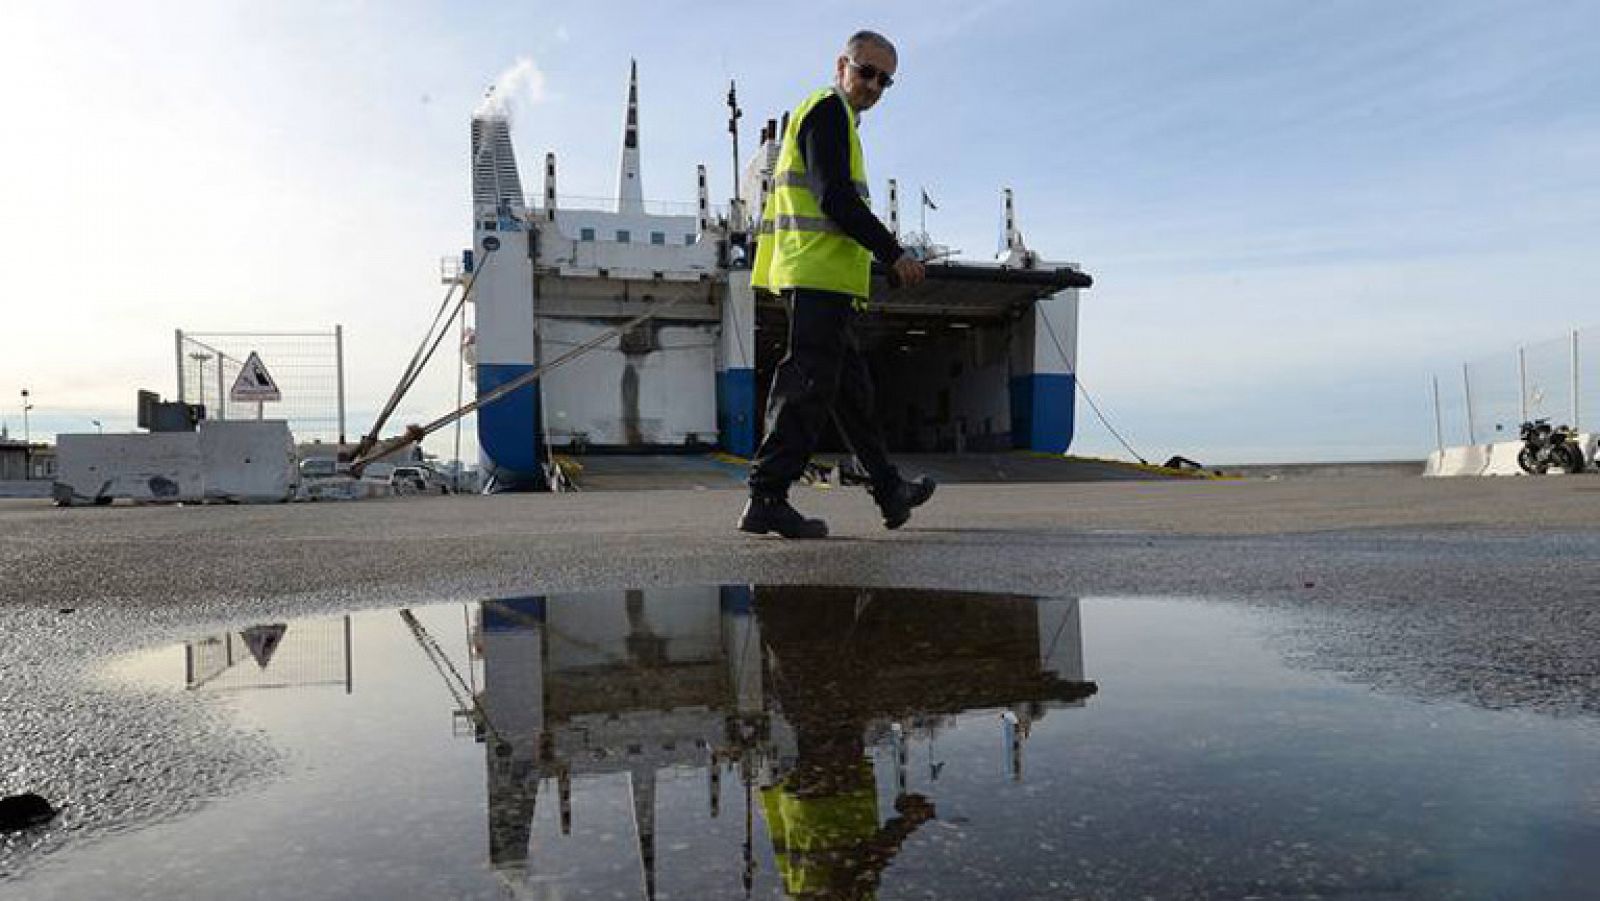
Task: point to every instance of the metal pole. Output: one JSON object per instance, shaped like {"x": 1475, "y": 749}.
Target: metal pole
{"x": 338, "y": 353}
{"x": 1438, "y": 418}
{"x": 734, "y": 113}
{"x": 1466, "y": 381}
{"x": 177, "y": 344}
{"x": 1576, "y": 407}
{"x": 222, "y": 393}
{"x": 349, "y": 665}
{"x": 27, "y": 438}
{"x": 200, "y": 360}
{"x": 461, "y": 377}
{"x": 1522, "y": 381}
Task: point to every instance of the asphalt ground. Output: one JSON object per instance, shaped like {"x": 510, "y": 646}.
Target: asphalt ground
{"x": 1482, "y": 591}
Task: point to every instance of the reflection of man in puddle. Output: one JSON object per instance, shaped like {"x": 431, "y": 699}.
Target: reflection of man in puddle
{"x": 823, "y": 818}
{"x": 823, "y": 812}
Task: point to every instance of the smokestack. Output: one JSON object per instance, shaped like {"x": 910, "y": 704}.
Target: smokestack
{"x": 495, "y": 183}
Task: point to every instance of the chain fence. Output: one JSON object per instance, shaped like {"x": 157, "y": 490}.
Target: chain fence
{"x": 307, "y": 368}
{"x": 1488, "y": 399}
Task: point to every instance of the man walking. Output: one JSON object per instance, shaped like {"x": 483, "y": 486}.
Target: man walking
{"x": 816, "y": 248}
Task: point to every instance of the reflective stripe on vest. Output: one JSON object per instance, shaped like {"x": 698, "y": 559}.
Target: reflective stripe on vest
{"x": 800, "y": 224}
{"x": 802, "y": 180}
{"x": 798, "y": 245}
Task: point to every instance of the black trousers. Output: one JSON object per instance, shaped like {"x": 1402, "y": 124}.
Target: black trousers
{"x": 822, "y": 375}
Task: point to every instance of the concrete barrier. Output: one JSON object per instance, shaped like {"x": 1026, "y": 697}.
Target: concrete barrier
{"x": 1497, "y": 459}
{"x": 33, "y": 488}
{"x": 161, "y": 466}
{"x": 1503, "y": 459}
{"x": 249, "y": 461}
{"x": 1465, "y": 460}
{"x": 343, "y": 488}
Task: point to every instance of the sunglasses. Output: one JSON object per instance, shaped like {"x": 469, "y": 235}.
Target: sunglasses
{"x": 871, "y": 72}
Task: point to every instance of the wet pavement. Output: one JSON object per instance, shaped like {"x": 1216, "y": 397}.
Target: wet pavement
{"x": 1415, "y": 610}
{"x": 755, "y": 741}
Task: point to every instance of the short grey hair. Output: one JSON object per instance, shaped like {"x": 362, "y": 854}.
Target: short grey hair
{"x": 868, "y": 37}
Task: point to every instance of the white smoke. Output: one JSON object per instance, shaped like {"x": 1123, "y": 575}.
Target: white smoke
{"x": 520, "y": 85}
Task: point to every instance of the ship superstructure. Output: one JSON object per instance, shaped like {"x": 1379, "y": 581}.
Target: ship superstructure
{"x": 980, "y": 357}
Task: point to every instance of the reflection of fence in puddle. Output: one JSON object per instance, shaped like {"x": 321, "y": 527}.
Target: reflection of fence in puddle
{"x": 272, "y": 655}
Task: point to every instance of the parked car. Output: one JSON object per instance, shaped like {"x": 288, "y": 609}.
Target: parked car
{"x": 418, "y": 480}
{"x": 321, "y": 467}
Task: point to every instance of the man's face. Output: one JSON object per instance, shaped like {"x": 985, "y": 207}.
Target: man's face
{"x": 861, "y": 91}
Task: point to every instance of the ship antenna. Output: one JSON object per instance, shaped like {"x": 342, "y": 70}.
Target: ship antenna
{"x": 734, "y": 113}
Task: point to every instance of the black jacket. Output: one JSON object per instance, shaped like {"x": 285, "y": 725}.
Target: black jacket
{"x": 824, "y": 137}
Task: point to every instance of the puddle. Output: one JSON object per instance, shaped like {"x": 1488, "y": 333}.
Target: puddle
{"x": 828, "y": 742}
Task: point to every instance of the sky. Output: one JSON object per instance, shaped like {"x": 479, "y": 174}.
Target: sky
{"x": 1295, "y": 213}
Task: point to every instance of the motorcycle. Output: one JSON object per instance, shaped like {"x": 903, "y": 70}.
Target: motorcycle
{"x": 1544, "y": 446}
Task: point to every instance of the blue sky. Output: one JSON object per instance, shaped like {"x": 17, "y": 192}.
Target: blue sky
{"x": 1295, "y": 212}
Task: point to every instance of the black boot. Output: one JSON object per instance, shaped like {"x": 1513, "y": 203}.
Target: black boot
{"x": 773, "y": 514}
{"x": 898, "y": 502}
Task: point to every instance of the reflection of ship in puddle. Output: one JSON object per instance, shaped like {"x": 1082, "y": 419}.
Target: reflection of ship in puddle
{"x": 807, "y": 700}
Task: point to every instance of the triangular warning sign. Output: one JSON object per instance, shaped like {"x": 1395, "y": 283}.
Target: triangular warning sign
{"x": 254, "y": 383}
{"x": 263, "y": 641}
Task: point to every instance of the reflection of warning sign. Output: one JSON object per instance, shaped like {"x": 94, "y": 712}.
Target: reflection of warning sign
{"x": 263, "y": 641}
{"x": 254, "y": 383}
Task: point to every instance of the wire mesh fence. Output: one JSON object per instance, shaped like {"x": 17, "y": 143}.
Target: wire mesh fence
{"x": 1488, "y": 399}
{"x": 306, "y": 367}
{"x": 1587, "y": 403}
{"x": 1548, "y": 380}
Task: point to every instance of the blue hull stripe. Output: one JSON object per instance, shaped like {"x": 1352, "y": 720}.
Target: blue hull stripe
{"x": 508, "y": 428}
{"x": 1042, "y": 412}
{"x": 737, "y": 599}
{"x": 736, "y": 411}
{"x": 513, "y": 614}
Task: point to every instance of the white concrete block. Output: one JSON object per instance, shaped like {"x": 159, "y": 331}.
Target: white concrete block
{"x": 1503, "y": 459}
{"x": 251, "y": 461}
{"x": 240, "y": 460}
{"x": 343, "y": 488}
{"x": 1465, "y": 460}
{"x": 1497, "y": 459}
{"x": 164, "y": 466}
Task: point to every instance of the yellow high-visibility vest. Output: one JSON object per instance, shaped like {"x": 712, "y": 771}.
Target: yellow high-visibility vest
{"x": 798, "y": 245}
{"x": 812, "y": 837}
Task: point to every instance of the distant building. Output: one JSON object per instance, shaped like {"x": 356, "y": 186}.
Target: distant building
{"x": 20, "y": 461}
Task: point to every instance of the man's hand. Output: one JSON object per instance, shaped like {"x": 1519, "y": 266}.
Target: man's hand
{"x": 909, "y": 271}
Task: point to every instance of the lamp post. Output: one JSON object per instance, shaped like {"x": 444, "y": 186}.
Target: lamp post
{"x": 27, "y": 438}
{"x": 200, "y": 360}
{"x": 97, "y": 427}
